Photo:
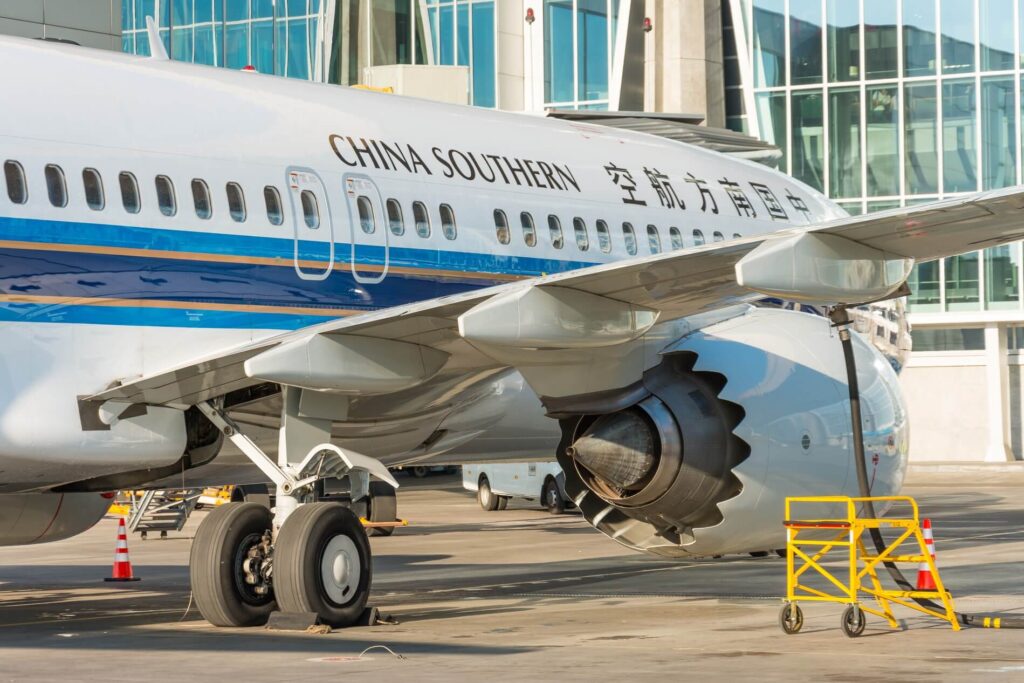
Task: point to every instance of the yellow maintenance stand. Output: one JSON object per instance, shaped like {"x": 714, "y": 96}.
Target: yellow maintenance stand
{"x": 812, "y": 540}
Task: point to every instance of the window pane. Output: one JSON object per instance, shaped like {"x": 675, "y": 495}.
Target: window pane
{"x": 948, "y": 339}
{"x": 769, "y": 43}
{"x": 604, "y": 238}
{"x": 93, "y": 183}
{"x": 529, "y": 231}
{"x": 421, "y": 218}
{"x": 629, "y": 237}
{"x": 263, "y": 46}
{"x": 1002, "y": 266}
{"x": 957, "y": 36}
{"x": 808, "y": 162}
{"x": 367, "y": 221}
{"x": 236, "y": 202}
{"x": 298, "y": 56}
{"x": 653, "y": 239}
{"x": 56, "y": 187}
{"x": 592, "y": 49}
{"x": 880, "y": 32}
{"x": 920, "y": 131}
{"x": 201, "y": 199}
{"x": 924, "y": 287}
{"x": 448, "y": 226}
{"x": 771, "y": 113}
{"x": 165, "y": 196}
{"x": 698, "y": 238}
{"x": 998, "y": 133}
{"x": 181, "y": 45}
{"x": 919, "y": 47}
{"x": 844, "y": 143}
{"x": 962, "y": 282}
{"x": 446, "y": 54}
{"x": 558, "y": 57}
{"x": 206, "y": 52}
{"x": 501, "y": 227}
{"x": 582, "y": 238}
{"x": 676, "y": 237}
{"x": 843, "y": 44}
{"x": 272, "y": 198}
{"x": 240, "y": 10}
{"x": 396, "y": 221}
{"x": 959, "y": 146}
{"x": 555, "y": 232}
{"x": 484, "y": 72}
{"x": 996, "y": 34}
{"x": 129, "y": 193}
{"x": 805, "y": 41}
{"x": 310, "y": 209}
{"x": 462, "y": 40}
{"x": 236, "y": 45}
{"x": 883, "y": 136}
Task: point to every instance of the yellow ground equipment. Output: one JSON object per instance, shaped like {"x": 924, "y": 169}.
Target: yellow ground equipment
{"x": 812, "y": 541}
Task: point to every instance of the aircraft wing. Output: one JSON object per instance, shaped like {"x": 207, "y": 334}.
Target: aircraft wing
{"x": 623, "y": 297}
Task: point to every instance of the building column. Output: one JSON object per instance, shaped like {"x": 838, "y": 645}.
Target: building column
{"x": 997, "y": 376}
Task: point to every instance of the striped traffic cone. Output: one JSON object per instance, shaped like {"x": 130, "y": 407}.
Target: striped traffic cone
{"x": 925, "y": 580}
{"x": 122, "y": 565}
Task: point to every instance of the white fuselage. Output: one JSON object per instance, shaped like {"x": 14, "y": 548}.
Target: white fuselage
{"x": 92, "y": 295}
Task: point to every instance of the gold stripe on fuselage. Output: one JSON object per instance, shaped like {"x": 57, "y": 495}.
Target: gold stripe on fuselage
{"x": 172, "y": 304}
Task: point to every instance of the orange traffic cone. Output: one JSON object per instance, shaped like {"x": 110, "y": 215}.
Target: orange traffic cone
{"x": 925, "y": 580}
{"x": 122, "y": 565}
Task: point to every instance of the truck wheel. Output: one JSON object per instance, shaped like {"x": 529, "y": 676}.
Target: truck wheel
{"x": 551, "y": 497}
{"x": 485, "y": 496}
{"x": 382, "y": 506}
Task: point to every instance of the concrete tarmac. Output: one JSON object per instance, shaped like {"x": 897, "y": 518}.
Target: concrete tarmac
{"x": 517, "y": 595}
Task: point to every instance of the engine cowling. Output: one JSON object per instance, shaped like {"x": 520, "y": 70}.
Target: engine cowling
{"x": 27, "y": 518}
{"x": 698, "y": 457}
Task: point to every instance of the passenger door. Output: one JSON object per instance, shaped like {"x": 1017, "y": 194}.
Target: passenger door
{"x": 314, "y": 228}
{"x": 369, "y": 230}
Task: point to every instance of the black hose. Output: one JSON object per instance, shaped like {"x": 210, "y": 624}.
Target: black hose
{"x": 841, "y": 320}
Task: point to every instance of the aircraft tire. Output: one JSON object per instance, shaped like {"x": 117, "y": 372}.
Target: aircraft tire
{"x": 382, "y": 507}
{"x": 222, "y": 542}
{"x": 322, "y": 564}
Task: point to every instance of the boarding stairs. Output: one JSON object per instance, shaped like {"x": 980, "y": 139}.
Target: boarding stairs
{"x": 163, "y": 511}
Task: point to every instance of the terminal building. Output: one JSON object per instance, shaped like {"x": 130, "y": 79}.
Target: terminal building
{"x": 877, "y": 103}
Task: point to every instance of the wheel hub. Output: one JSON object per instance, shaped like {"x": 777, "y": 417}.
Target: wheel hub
{"x": 340, "y": 570}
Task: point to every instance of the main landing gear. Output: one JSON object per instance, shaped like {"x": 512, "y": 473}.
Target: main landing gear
{"x": 309, "y": 556}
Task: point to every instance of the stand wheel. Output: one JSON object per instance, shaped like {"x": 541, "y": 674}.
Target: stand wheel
{"x": 485, "y": 496}
{"x": 225, "y": 541}
{"x": 382, "y": 506}
{"x": 791, "y": 618}
{"x": 551, "y": 497}
{"x": 853, "y": 621}
{"x": 322, "y": 564}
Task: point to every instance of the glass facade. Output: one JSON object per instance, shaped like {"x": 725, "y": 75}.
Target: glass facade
{"x": 579, "y": 41}
{"x": 324, "y": 40}
{"x": 888, "y": 103}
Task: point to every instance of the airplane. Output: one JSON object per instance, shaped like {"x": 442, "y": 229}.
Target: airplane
{"x": 210, "y": 276}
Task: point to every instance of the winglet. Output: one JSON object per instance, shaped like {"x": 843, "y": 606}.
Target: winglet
{"x": 156, "y": 46}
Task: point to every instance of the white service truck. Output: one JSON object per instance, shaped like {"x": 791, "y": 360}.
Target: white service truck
{"x": 495, "y": 483}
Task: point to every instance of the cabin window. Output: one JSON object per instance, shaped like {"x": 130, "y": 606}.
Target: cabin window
{"x": 501, "y": 226}
{"x": 310, "y": 209}
{"x": 736, "y": 236}
{"x": 367, "y": 221}
{"x": 17, "y": 188}
{"x": 448, "y": 226}
{"x": 165, "y": 196}
{"x": 698, "y": 237}
{"x": 93, "y": 184}
{"x": 396, "y": 221}
{"x": 529, "y": 229}
{"x": 236, "y": 202}
{"x": 653, "y": 239}
{"x": 129, "y": 192}
{"x": 582, "y": 238}
{"x": 676, "y": 237}
{"x": 272, "y": 198}
{"x": 421, "y": 219}
{"x": 717, "y": 236}
{"x": 629, "y": 237}
{"x": 56, "y": 186}
{"x": 604, "y": 237}
{"x": 555, "y": 230}
{"x": 201, "y": 199}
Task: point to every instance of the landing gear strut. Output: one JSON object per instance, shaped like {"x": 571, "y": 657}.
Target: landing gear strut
{"x": 308, "y": 556}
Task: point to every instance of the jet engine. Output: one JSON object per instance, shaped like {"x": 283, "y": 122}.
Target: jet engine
{"x": 43, "y": 517}
{"x": 698, "y": 457}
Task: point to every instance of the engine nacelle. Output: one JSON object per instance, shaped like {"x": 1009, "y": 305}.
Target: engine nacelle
{"x": 698, "y": 457}
{"x": 27, "y": 518}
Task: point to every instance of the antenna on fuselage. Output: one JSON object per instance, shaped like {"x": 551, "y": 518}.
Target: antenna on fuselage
{"x": 156, "y": 46}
